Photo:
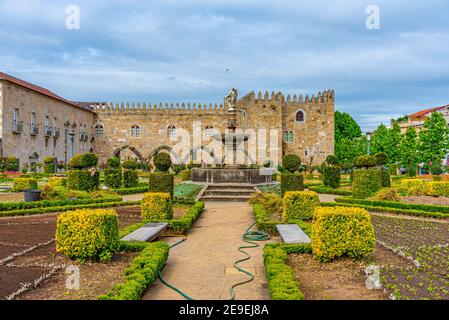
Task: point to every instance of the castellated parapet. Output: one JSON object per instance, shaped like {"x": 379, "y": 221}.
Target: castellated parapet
{"x": 305, "y": 124}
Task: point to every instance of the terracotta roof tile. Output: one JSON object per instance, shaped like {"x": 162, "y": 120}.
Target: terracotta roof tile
{"x": 423, "y": 113}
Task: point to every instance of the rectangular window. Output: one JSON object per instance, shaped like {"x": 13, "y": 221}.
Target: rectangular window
{"x": 33, "y": 120}
{"x": 16, "y": 117}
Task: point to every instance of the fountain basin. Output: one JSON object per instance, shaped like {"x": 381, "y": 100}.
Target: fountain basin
{"x": 230, "y": 175}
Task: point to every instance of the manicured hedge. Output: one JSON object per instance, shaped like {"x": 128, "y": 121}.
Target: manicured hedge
{"x": 291, "y": 182}
{"x": 342, "y": 231}
{"x": 410, "y": 183}
{"x": 49, "y": 168}
{"x": 385, "y": 179}
{"x": 130, "y": 179}
{"x": 178, "y": 226}
{"x": 186, "y": 175}
{"x": 161, "y": 182}
{"x": 8, "y": 206}
{"x": 56, "y": 182}
{"x": 300, "y": 205}
{"x": 394, "y": 204}
{"x": 22, "y": 184}
{"x": 324, "y": 190}
{"x": 331, "y": 176}
{"x": 265, "y": 224}
{"x": 113, "y": 178}
{"x": 281, "y": 277}
{"x": 125, "y": 191}
{"x": 43, "y": 210}
{"x": 142, "y": 272}
{"x": 438, "y": 189}
{"x": 366, "y": 183}
{"x": 83, "y": 180}
{"x": 157, "y": 206}
{"x": 87, "y": 234}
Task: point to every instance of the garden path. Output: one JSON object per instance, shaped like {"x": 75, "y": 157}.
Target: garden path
{"x": 202, "y": 266}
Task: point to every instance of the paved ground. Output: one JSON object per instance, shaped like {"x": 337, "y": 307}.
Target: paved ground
{"x": 202, "y": 266}
{"x": 133, "y": 197}
{"x": 328, "y": 197}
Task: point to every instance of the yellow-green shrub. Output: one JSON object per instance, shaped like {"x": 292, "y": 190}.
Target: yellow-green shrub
{"x": 157, "y": 206}
{"x": 87, "y": 234}
{"x": 338, "y": 231}
{"x": 300, "y": 205}
{"x": 410, "y": 183}
{"x": 438, "y": 189}
{"x": 22, "y": 184}
{"x": 56, "y": 182}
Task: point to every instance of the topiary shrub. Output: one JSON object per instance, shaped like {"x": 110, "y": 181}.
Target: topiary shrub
{"x": 332, "y": 160}
{"x": 331, "y": 176}
{"x": 157, "y": 206}
{"x": 49, "y": 165}
{"x": 83, "y": 180}
{"x": 338, "y": 231}
{"x": 162, "y": 162}
{"x": 113, "y": 178}
{"x": 113, "y": 163}
{"x": 366, "y": 183}
{"x": 393, "y": 169}
{"x": 87, "y": 234}
{"x": 130, "y": 178}
{"x": 365, "y": 161}
{"x": 23, "y": 184}
{"x": 291, "y": 182}
{"x": 381, "y": 158}
{"x": 300, "y": 205}
{"x": 438, "y": 189}
{"x": 291, "y": 162}
{"x": 76, "y": 161}
{"x": 385, "y": 179}
{"x": 55, "y": 182}
{"x": 89, "y": 160}
{"x": 186, "y": 175}
{"x": 130, "y": 164}
{"x": 161, "y": 182}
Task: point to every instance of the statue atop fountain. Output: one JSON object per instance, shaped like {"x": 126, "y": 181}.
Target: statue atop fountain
{"x": 231, "y": 99}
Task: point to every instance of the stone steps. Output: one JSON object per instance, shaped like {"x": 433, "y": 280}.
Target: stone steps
{"x": 228, "y": 192}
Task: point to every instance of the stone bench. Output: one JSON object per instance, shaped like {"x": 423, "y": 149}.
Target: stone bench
{"x": 291, "y": 233}
{"x": 147, "y": 233}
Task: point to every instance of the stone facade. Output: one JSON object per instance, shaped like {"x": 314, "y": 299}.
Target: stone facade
{"x": 35, "y": 125}
{"x": 309, "y": 135}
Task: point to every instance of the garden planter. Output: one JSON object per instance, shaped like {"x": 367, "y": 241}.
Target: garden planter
{"x": 32, "y": 195}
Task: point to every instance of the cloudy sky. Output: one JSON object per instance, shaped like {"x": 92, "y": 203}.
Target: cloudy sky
{"x": 186, "y": 50}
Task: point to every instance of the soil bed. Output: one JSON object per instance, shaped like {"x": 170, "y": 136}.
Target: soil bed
{"x": 440, "y": 201}
{"x": 342, "y": 279}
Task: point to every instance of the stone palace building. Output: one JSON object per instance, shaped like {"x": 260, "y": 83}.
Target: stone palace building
{"x": 35, "y": 123}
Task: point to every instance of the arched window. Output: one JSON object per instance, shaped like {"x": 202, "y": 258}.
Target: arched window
{"x": 171, "y": 131}
{"x": 300, "y": 117}
{"x": 135, "y": 131}
{"x": 290, "y": 136}
{"x": 209, "y": 130}
{"x": 99, "y": 130}
{"x": 286, "y": 136}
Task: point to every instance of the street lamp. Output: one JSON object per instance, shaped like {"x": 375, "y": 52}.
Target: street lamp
{"x": 368, "y": 138}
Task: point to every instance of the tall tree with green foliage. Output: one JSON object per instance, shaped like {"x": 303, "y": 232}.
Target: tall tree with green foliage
{"x": 408, "y": 148}
{"x": 433, "y": 143}
{"x": 387, "y": 140}
{"x": 379, "y": 139}
{"x": 348, "y": 138}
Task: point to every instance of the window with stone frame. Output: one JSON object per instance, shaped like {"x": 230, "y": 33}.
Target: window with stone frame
{"x": 171, "y": 131}
{"x": 135, "y": 131}
{"x": 300, "y": 116}
{"x": 99, "y": 130}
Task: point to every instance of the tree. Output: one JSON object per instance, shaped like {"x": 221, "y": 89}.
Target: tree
{"x": 379, "y": 139}
{"x": 348, "y": 139}
{"x": 387, "y": 140}
{"x": 433, "y": 143}
{"x": 408, "y": 148}
{"x": 346, "y": 127}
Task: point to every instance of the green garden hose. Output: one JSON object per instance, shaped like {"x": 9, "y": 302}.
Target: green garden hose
{"x": 166, "y": 283}
{"x": 250, "y": 236}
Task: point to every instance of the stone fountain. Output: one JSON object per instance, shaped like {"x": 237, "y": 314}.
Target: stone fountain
{"x": 230, "y": 171}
